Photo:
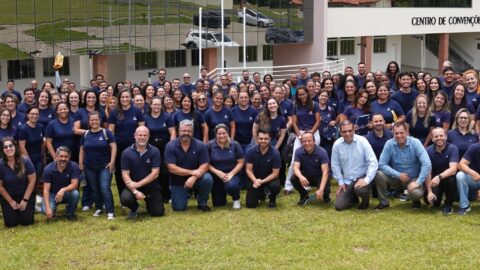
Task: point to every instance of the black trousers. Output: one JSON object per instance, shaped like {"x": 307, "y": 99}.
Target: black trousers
{"x": 153, "y": 199}
{"x": 447, "y": 186}
{"x": 163, "y": 175}
{"x": 254, "y": 194}
{"x": 313, "y": 182}
{"x": 13, "y": 217}
{"x": 118, "y": 169}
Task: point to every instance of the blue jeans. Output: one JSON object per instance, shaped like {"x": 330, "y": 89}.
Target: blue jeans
{"x": 464, "y": 184}
{"x": 99, "y": 181}
{"x": 179, "y": 193}
{"x": 221, "y": 189}
{"x": 70, "y": 198}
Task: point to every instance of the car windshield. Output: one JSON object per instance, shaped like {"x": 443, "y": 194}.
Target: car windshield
{"x": 219, "y": 37}
{"x": 260, "y": 15}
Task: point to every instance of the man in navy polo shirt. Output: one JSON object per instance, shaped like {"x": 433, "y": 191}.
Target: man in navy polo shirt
{"x": 140, "y": 169}
{"x": 187, "y": 161}
{"x": 379, "y": 135}
{"x": 310, "y": 167}
{"x": 61, "y": 184}
{"x": 263, "y": 166}
{"x": 406, "y": 94}
{"x": 444, "y": 158}
{"x": 468, "y": 177}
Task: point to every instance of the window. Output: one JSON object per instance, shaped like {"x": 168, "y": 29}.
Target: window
{"x": 251, "y": 54}
{"x": 267, "y": 52}
{"x": 379, "y": 45}
{"x": 145, "y": 60}
{"x": 332, "y": 47}
{"x": 175, "y": 58}
{"x": 478, "y": 46}
{"x": 21, "y": 69}
{"x": 194, "y": 54}
{"x": 49, "y": 71}
{"x": 347, "y": 46}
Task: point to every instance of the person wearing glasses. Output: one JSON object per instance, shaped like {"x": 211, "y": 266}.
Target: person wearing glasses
{"x": 16, "y": 186}
{"x": 187, "y": 87}
{"x": 462, "y": 134}
{"x": 61, "y": 179}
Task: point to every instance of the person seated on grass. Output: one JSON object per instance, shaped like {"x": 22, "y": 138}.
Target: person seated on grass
{"x": 187, "y": 161}
{"x": 310, "y": 168}
{"x": 468, "y": 177}
{"x": 444, "y": 158}
{"x": 262, "y": 167}
{"x": 354, "y": 165}
{"x": 140, "y": 168}
{"x": 404, "y": 163}
{"x": 60, "y": 184}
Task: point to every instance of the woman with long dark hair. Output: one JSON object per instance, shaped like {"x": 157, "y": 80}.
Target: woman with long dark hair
{"x": 271, "y": 119}
{"x": 30, "y": 140}
{"x": 200, "y": 128}
{"x": 217, "y": 114}
{"x": 17, "y": 182}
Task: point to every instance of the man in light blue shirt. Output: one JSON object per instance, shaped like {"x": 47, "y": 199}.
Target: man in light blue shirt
{"x": 354, "y": 165}
{"x": 404, "y": 163}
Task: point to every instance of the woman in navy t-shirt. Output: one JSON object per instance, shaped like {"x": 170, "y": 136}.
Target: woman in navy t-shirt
{"x": 420, "y": 121}
{"x": 271, "y": 119}
{"x": 47, "y": 113}
{"x": 218, "y": 114}
{"x": 30, "y": 140}
{"x": 7, "y": 130}
{"x": 59, "y": 132}
{"x": 97, "y": 160}
{"x": 17, "y": 182}
{"x": 123, "y": 122}
{"x": 200, "y": 128}
{"x": 441, "y": 111}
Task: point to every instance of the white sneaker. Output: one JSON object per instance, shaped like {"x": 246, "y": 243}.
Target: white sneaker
{"x": 110, "y": 216}
{"x": 85, "y": 208}
{"x": 236, "y": 204}
{"x": 98, "y": 212}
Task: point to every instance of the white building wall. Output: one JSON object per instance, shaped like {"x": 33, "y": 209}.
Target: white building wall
{"x": 380, "y": 60}
{"x": 470, "y": 43}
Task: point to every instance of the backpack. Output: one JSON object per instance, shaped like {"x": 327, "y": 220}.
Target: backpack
{"x": 104, "y": 134}
{"x": 287, "y": 152}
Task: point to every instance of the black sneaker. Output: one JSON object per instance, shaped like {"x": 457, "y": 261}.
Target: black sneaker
{"x": 381, "y": 207}
{"x": 363, "y": 205}
{"x": 416, "y": 205}
{"x": 204, "y": 208}
{"x": 303, "y": 200}
{"x": 72, "y": 218}
{"x": 272, "y": 203}
{"x": 447, "y": 210}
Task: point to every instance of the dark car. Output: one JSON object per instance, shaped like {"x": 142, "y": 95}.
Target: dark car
{"x": 283, "y": 35}
{"x": 212, "y": 19}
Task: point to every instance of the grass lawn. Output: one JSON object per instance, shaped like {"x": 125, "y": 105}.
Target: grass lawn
{"x": 7, "y": 52}
{"x": 289, "y": 237}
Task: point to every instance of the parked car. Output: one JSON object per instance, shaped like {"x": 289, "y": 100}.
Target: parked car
{"x": 283, "y": 35}
{"x": 211, "y": 19}
{"x": 254, "y": 17}
{"x": 208, "y": 39}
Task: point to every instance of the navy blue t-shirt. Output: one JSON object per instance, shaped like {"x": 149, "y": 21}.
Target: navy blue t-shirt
{"x": 82, "y": 116}
{"x": 387, "y": 109}
{"x": 96, "y": 147}
{"x": 441, "y": 161}
{"x": 244, "y": 120}
{"x": 125, "y": 127}
{"x": 59, "y": 180}
{"x": 187, "y": 88}
{"x": 311, "y": 164}
{"x": 462, "y": 142}
{"x": 305, "y": 118}
{"x": 405, "y": 100}
{"x": 473, "y": 155}
{"x": 196, "y": 155}
{"x": 140, "y": 166}
{"x": 263, "y": 165}
{"x": 159, "y": 126}
{"x": 61, "y": 134}
{"x": 23, "y": 107}
{"x": 33, "y": 138}
{"x": 378, "y": 143}
{"x": 224, "y": 159}
{"x": 11, "y": 182}
{"x": 213, "y": 118}
{"x": 419, "y": 131}
{"x": 179, "y": 116}
{"x": 8, "y": 132}
{"x": 15, "y": 92}
{"x": 442, "y": 117}
{"x": 286, "y": 108}
{"x": 45, "y": 116}
{"x": 19, "y": 119}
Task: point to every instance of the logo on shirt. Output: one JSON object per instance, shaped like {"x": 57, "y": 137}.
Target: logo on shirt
{"x": 193, "y": 152}
{"x": 100, "y": 139}
{"x": 134, "y": 118}
{"x": 226, "y": 116}
{"x": 250, "y": 118}
{"x": 50, "y": 116}
{"x": 164, "y": 124}
{"x": 268, "y": 160}
{"x": 285, "y": 112}
{"x": 148, "y": 161}
{"x": 388, "y": 109}
{"x": 19, "y": 123}
{"x": 310, "y": 113}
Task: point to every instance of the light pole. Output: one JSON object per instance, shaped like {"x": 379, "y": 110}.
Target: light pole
{"x": 200, "y": 41}
{"x": 244, "y": 37}
{"x": 223, "y": 34}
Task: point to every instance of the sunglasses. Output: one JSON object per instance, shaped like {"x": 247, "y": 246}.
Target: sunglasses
{"x": 7, "y": 146}
{"x": 201, "y": 99}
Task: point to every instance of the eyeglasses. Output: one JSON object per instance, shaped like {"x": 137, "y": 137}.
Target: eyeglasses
{"x": 186, "y": 77}
{"x": 462, "y": 118}
{"x": 200, "y": 99}
{"x": 7, "y": 146}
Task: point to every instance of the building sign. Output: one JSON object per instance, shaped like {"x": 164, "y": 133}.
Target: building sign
{"x": 462, "y": 20}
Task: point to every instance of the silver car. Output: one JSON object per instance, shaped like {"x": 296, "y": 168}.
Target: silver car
{"x": 255, "y": 18}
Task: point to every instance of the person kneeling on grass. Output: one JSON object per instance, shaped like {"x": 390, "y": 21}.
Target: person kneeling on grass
{"x": 263, "y": 166}
{"x": 468, "y": 177}
{"x": 310, "y": 168}
{"x": 354, "y": 165}
{"x": 404, "y": 163}
{"x": 140, "y": 168}
{"x": 60, "y": 184}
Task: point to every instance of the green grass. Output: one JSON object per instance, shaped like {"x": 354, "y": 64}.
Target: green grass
{"x": 114, "y": 49}
{"x": 7, "y": 52}
{"x": 289, "y": 237}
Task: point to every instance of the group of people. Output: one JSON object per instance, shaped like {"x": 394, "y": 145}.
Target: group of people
{"x": 381, "y": 134}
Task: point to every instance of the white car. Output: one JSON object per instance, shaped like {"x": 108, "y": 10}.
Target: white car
{"x": 208, "y": 39}
{"x": 255, "y": 18}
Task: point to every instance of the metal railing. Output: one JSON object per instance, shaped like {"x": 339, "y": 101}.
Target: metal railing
{"x": 280, "y": 73}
